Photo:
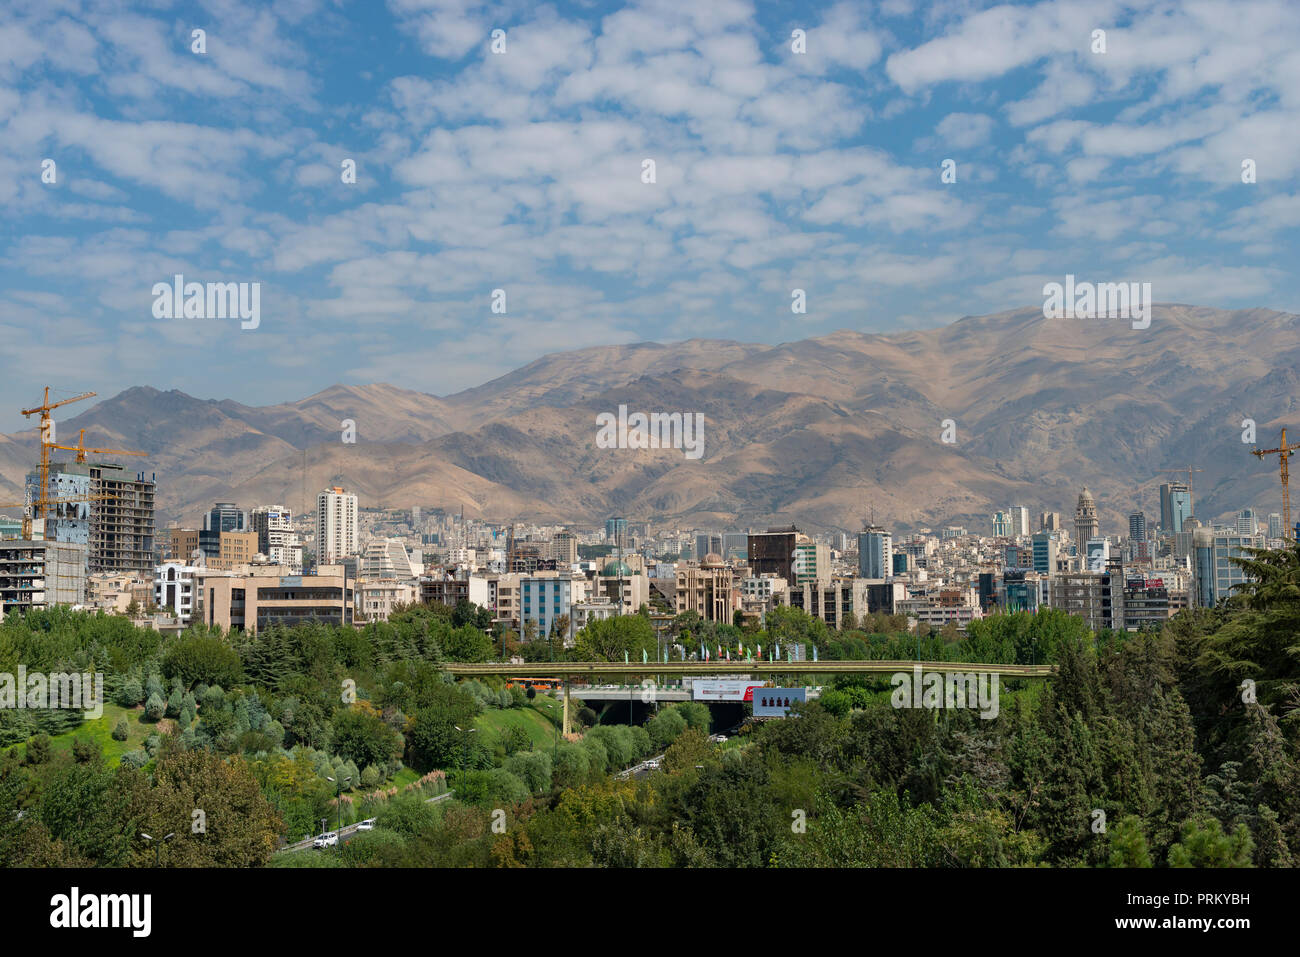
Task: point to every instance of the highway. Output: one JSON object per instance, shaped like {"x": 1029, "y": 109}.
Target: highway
{"x": 348, "y": 830}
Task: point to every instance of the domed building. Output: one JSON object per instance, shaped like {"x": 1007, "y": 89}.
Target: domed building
{"x": 616, "y": 569}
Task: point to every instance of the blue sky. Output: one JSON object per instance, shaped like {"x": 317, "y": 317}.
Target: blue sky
{"x": 522, "y": 171}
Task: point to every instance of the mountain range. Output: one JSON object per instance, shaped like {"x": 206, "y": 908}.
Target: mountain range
{"x": 822, "y": 432}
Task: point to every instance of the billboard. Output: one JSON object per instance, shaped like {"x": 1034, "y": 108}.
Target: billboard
{"x": 776, "y": 702}
{"x": 726, "y": 689}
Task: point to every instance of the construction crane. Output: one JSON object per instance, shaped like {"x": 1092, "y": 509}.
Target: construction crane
{"x": 1189, "y": 470}
{"x": 43, "y": 502}
{"x": 81, "y": 450}
{"x": 1283, "y": 452}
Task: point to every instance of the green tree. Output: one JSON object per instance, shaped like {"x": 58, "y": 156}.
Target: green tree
{"x": 1202, "y": 843}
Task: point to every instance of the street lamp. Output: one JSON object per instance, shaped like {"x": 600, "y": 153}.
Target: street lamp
{"x": 467, "y": 733}
{"x": 338, "y": 796}
{"x": 157, "y": 846}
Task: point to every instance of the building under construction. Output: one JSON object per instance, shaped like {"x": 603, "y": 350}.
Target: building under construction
{"x": 114, "y": 516}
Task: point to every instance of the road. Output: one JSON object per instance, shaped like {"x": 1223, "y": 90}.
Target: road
{"x": 349, "y": 830}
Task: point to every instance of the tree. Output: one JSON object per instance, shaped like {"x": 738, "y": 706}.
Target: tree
{"x": 610, "y": 639}
{"x": 154, "y": 708}
{"x": 360, "y": 735}
{"x": 121, "y": 731}
{"x": 38, "y": 749}
{"x": 1128, "y": 845}
{"x": 235, "y": 825}
{"x": 200, "y": 658}
{"x": 1202, "y": 843}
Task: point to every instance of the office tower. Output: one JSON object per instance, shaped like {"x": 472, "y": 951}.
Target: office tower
{"x": 1215, "y": 572}
{"x": 1275, "y": 527}
{"x": 875, "y": 553}
{"x": 1247, "y": 523}
{"x": 735, "y": 545}
{"x": 336, "y": 525}
{"x": 812, "y": 563}
{"x": 224, "y": 517}
{"x": 1050, "y": 521}
{"x": 1175, "y": 506}
{"x": 1019, "y": 520}
{"x": 616, "y": 530}
{"x": 1085, "y": 518}
{"x": 1045, "y": 548}
{"x": 706, "y": 544}
{"x": 1137, "y": 526}
{"x": 1001, "y": 524}
{"x": 772, "y": 552}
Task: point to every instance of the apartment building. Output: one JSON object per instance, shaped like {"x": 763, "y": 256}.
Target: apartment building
{"x": 41, "y": 574}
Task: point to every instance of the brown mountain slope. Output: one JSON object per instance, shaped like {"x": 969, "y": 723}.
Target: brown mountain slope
{"x": 814, "y": 431}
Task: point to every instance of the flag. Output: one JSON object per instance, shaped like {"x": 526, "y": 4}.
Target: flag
{"x": 624, "y": 657}
{"x": 643, "y": 656}
{"x": 814, "y": 652}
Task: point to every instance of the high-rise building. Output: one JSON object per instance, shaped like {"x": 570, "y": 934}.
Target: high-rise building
{"x": 615, "y": 530}
{"x": 1275, "y": 527}
{"x": 1085, "y": 518}
{"x": 1001, "y": 524}
{"x": 1019, "y": 520}
{"x": 224, "y": 517}
{"x": 772, "y": 552}
{"x": 1050, "y": 521}
{"x": 276, "y": 538}
{"x": 1045, "y": 548}
{"x": 1175, "y": 506}
{"x": 1247, "y": 523}
{"x": 1137, "y": 526}
{"x": 116, "y": 521}
{"x": 875, "y": 553}
{"x": 704, "y": 544}
{"x": 41, "y": 574}
{"x": 336, "y": 525}
{"x": 812, "y": 563}
{"x": 1216, "y": 575}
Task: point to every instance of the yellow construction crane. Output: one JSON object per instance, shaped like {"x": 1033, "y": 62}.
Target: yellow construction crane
{"x": 81, "y": 450}
{"x": 1283, "y": 452}
{"x": 1189, "y": 470}
{"x": 43, "y": 502}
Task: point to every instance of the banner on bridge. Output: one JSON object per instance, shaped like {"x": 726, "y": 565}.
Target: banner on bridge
{"x": 724, "y": 689}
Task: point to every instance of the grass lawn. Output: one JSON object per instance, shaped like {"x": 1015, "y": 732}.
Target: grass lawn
{"x": 101, "y": 731}
{"x": 540, "y": 718}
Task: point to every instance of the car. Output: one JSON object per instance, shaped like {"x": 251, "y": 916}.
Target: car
{"x": 653, "y": 764}
{"x": 328, "y": 839}
{"x": 367, "y": 825}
